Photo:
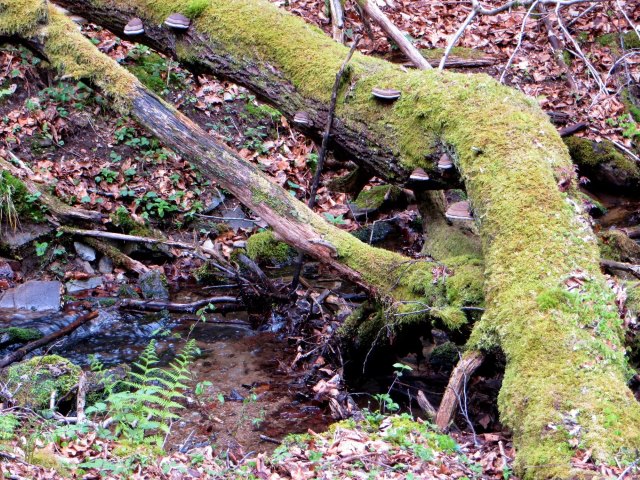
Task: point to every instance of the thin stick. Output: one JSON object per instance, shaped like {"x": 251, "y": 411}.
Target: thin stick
{"x": 520, "y": 38}
{"x": 337, "y": 20}
{"x": 323, "y": 150}
{"x": 455, "y": 39}
{"x": 157, "y": 305}
{"x": 405, "y": 46}
{"x": 80, "y": 398}
{"x": 21, "y": 352}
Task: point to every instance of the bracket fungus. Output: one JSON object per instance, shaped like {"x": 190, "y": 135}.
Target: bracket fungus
{"x": 303, "y": 119}
{"x": 134, "y": 27}
{"x": 445, "y": 162}
{"x": 459, "y": 211}
{"x": 177, "y": 21}
{"x": 386, "y": 93}
{"x": 419, "y": 175}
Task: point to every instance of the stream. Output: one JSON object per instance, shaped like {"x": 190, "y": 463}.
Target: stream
{"x": 252, "y": 390}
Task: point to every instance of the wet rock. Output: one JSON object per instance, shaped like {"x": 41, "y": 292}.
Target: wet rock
{"x": 236, "y": 219}
{"x": 105, "y": 265}
{"x": 24, "y": 235}
{"x": 85, "y": 252}
{"x": 153, "y": 285}
{"x": 6, "y": 271}
{"x": 381, "y": 230}
{"x": 74, "y": 286}
{"x": 33, "y": 295}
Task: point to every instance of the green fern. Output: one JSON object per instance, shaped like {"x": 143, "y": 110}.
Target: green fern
{"x": 144, "y": 407}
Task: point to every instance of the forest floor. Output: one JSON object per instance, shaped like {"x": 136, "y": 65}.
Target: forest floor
{"x": 70, "y": 139}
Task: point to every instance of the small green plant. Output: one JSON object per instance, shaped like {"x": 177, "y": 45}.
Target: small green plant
{"x": 107, "y": 175}
{"x": 339, "y": 220}
{"x": 41, "y": 248}
{"x": 8, "y": 425}
{"x": 142, "y": 410}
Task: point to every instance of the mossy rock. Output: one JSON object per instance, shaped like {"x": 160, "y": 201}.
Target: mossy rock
{"x": 445, "y": 356}
{"x": 13, "y": 335}
{"x": 376, "y": 197}
{"x": 208, "y": 274}
{"x": 39, "y": 376}
{"x": 264, "y": 248}
{"x": 603, "y": 164}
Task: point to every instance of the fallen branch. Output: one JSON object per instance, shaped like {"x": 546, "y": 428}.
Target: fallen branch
{"x": 558, "y": 49}
{"x": 571, "y": 129}
{"x": 21, "y": 352}
{"x": 337, "y": 20}
{"x": 622, "y": 266}
{"x": 119, "y": 258}
{"x": 428, "y": 409}
{"x": 465, "y": 368}
{"x": 157, "y": 305}
{"x": 371, "y": 10}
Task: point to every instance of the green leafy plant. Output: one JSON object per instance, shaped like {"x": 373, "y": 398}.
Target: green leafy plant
{"x": 339, "y": 220}
{"x": 142, "y": 411}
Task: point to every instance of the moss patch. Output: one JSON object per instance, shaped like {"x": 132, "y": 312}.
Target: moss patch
{"x": 20, "y": 335}
{"x": 263, "y": 247}
{"x": 39, "y": 376}
{"x": 16, "y": 202}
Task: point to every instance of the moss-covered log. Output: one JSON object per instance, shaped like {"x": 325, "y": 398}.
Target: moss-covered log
{"x": 547, "y": 304}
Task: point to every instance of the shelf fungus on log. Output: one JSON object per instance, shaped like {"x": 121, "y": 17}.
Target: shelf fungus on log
{"x": 302, "y": 119}
{"x": 134, "y": 27}
{"x": 459, "y": 211}
{"x": 177, "y": 21}
{"x": 419, "y": 175}
{"x": 386, "y": 93}
{"x": 445, "y": 162}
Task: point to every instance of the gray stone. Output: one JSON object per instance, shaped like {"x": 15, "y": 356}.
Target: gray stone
{"x": 105, "y": 265}
{"x": 25, "y": 234}
{"x": 33, "y": 295}
{"x": 153, "y": 285}
{"x": 235, "y": 218}
{"x": 74, "y": 286}
{"x": 86, "y": 267}
{"x": 85, "y": 252}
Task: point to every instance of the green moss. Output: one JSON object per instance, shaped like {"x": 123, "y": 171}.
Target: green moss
{"x": 195, "y": 8}
{"x": 630, "y": 39}
{"x": 263, "y": 247}
{"x": 376, "y": 196}
{"x": 21, "y": 335}
{"x": 586, "y": 153}
{"x": 47, "y": 459}
{"x": 21, "y": 16}
{"x": 39, "y": 376}
{"x": 16, "y": 202}
{"x": 631, "y": 104}
{"x": 148, "y": 69}
{"x": 207, "y": 274}
{"x": 459, "y": 52}
{"x": 70, "y": 52}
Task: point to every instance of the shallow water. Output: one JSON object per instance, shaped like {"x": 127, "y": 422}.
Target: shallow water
{"x": 239, "y": 362}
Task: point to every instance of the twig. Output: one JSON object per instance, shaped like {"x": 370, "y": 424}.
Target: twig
{"x": 264, "y": 438}
{"x": 21, "y": 352}
{"x": 337, "y": 20}
{"x": 323, "y": 150}
{"x": 520, "y": 38}
{"x": 405, "y": 46}
{"x": 80, "y": 398}
{"x": 456, "y": 37}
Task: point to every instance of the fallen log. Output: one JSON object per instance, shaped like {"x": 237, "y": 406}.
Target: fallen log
{"x": 563, "y": 347}
{"x": 29, "y": 347}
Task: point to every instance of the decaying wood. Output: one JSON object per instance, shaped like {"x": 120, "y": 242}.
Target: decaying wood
{"x": 632, "y": 232}
{"x": 428, "y": 409}
{"x": 81, "y": 398}
{"x": 119, "y": 258}
{"x": 157, "y": 305}
{"x": 459, "y": 377}
{"x": 372, "y": 11}
{"x": 622, "y": 266}
{"x": 337, "y": 20}
{"x": 571, "y": 129}
{"x": 22, "y": 351}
